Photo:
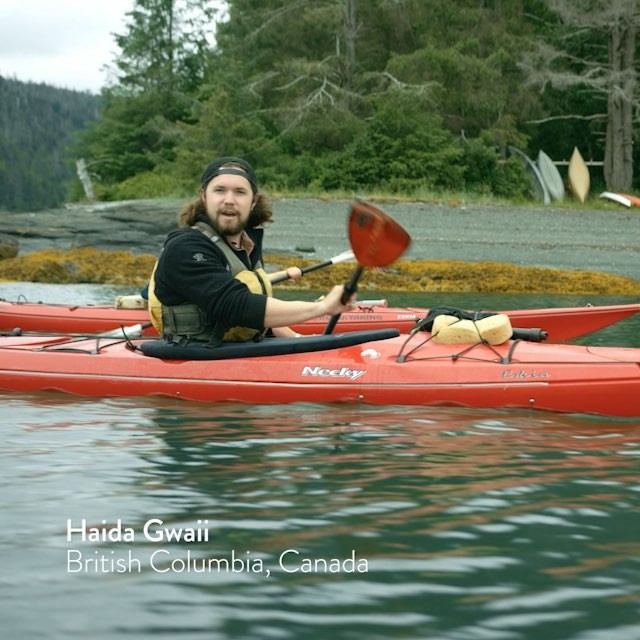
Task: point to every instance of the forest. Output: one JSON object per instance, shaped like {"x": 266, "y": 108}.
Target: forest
{"x": 37, "y": 128}
{"x": 405, "y": 97}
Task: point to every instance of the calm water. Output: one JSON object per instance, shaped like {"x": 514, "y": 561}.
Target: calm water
{"x": 355, "y": 523}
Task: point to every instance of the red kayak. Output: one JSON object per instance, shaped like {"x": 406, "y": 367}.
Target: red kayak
{"x": 560, "y": 324}
{"x": 378, "y": 367}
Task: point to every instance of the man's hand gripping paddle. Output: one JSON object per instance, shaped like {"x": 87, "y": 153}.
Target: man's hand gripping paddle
{"x": 376, "y": 240}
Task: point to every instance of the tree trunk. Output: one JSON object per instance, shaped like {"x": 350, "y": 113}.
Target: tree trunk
{"x": 618, "y": 156}
{"x": 85, "y": 179}
{"x": 350, "y": 29}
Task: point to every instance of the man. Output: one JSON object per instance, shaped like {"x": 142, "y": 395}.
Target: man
{"x": 209, "y": 280}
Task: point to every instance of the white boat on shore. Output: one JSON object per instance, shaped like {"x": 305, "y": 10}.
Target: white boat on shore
{"x": 551, "y": 176}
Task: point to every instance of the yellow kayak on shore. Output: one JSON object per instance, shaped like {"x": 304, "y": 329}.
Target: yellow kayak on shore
{"x": 579, "y": 178}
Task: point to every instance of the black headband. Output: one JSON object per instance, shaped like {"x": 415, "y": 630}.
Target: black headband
{"x": 219, "y": 167}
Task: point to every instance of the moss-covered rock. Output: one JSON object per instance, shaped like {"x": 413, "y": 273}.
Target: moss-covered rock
{"x": 88, "y": 265}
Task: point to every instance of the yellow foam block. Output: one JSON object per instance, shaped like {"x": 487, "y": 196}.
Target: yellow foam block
{"x": 441, "y": 321}
{"x": 130, "y": 302}
{"x": 493, "y": 330}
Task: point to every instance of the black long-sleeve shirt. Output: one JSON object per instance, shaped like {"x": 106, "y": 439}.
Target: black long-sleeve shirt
{"x": 193, "y": 269}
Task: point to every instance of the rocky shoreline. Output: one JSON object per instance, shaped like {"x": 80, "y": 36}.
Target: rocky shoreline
{"x": 603, "y": 239}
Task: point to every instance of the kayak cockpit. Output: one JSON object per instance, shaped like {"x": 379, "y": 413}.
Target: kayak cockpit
{"x": 266, "y": 347}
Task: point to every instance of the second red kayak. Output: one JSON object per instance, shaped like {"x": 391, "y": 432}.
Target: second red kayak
{"x": 560, "y": 324}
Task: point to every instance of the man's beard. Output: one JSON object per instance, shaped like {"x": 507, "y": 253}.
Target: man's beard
{"x": 229, "y": 227}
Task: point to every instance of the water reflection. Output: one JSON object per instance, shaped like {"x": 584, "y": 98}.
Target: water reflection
{"x": 474, "y": 523}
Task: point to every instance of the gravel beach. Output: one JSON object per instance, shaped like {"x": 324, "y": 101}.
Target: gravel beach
{"x": 606, "y": 240}
{"x": 596, "y": 240}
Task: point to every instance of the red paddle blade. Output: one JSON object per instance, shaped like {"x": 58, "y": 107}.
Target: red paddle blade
{"x": 376, "y": 239}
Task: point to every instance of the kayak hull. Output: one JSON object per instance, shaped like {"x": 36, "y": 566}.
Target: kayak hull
{"x": 403, "y": 370}
{"x": 561, "y": 324}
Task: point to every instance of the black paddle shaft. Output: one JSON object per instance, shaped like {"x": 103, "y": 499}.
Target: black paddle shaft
{"x": 349, "y": 289}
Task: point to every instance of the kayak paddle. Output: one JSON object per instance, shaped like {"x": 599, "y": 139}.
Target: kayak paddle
{"x": 376, "y": 240}
{"x": 345, "y": 255}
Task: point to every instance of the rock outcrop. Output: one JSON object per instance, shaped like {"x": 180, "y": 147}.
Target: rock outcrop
{"x": 8, "y": 246}
{"x": 138, "y": 226}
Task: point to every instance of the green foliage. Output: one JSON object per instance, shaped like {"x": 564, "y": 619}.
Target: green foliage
{"x": 485, "y": 172}
{"x": 148, "y": 184}
{"x": 403, "y": 97}
{"x": 163, "y": 49}
{"x": 119, "y": 144}
{"x": 479, "y": 165}
{"x": 510, "y": 181}
{"x": 402, "y": 147}
{"x": 222, "y": 127}
{"x": 161, "y": 64}
{"x": 321, "y": 131}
